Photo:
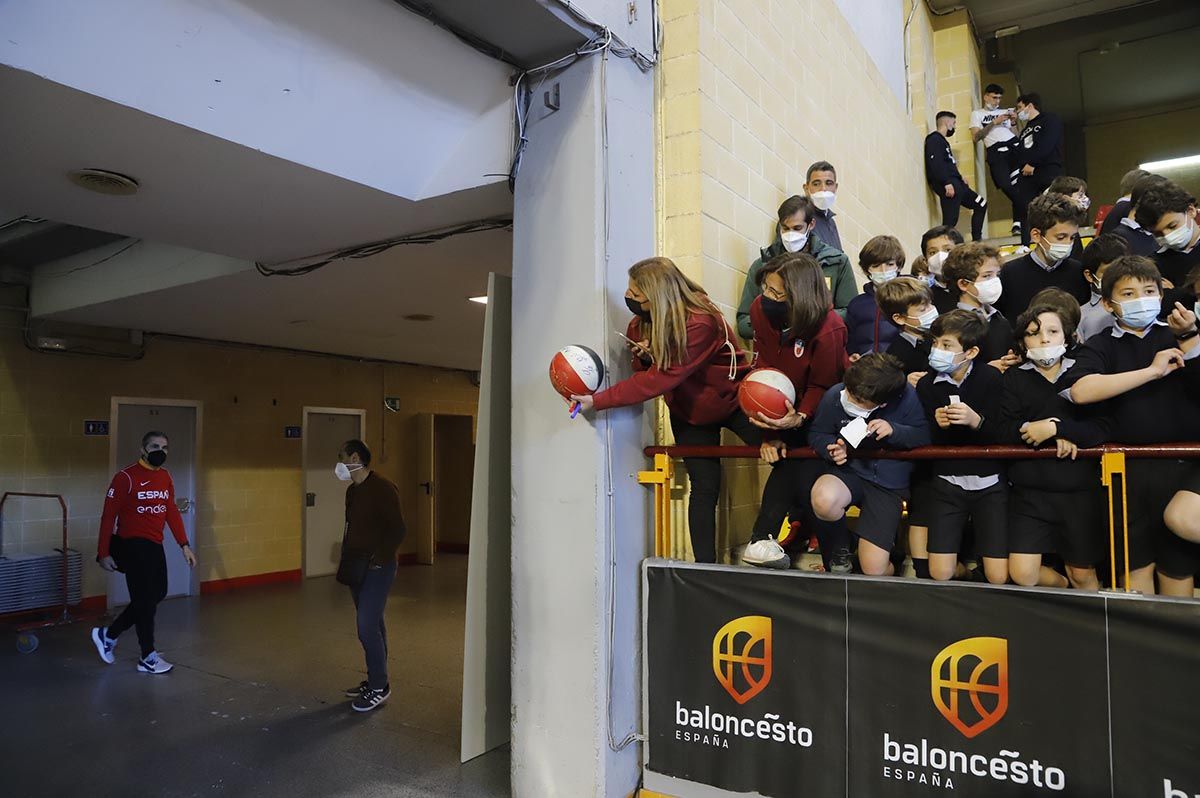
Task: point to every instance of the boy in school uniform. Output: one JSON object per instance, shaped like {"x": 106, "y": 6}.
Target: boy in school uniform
{"x": 1168, "y": 211}
{"x": 1053, "y": 221}
{"x": 1147, "y": 373}
{"x": 1097, "y": 256}
{"x": 1054, "y": 505}
{"x": 973, "y": 277}
{"x": 1140, "y": 240}
{"x": 961, "y": 398}
{"x": 881, "y": 260}
{"x": 935, "y": 246}
{"x": 874, "y": 408}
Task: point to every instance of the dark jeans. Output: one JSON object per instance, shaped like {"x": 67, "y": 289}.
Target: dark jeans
{"x": 704, "y": 474}
{"x": 145, "y": 567}
{"x": 999, "y": 161}
{"x": 963, "y": 195}
{"x": 1027, "y": 188}
{"x": 370, "y": 599}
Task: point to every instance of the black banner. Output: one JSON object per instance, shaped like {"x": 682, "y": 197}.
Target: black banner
{"x": 793, "y": 684}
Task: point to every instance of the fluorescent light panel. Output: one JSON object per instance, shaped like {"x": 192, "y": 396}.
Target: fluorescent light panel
{"x": 480, "y": 299}
{"x": 1172, "y": 163}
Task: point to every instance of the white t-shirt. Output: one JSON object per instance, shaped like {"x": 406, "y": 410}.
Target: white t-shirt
{"x": 981, "y": 118}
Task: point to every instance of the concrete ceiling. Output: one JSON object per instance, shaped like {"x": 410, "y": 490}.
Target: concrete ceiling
{"x": 352, "y": 307}
{"x": 528, "y": 33}
{"x": 208, "y": 194}
{"x": 197, "y": 190}
{"x": 992, "y": 15}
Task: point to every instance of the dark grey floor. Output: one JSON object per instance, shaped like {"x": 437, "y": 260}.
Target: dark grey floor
{"x": 254, "y": 706}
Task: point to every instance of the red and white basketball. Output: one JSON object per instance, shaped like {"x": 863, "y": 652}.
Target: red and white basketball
{"x": 766, "y": 391}
{"x": 576, "y": 370}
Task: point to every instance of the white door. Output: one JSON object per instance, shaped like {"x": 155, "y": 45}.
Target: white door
{"x": 179, "y": 425}
{"x": 324, "y": 493}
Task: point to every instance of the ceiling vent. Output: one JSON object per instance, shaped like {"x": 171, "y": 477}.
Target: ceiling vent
{"x": 103, "y": 181}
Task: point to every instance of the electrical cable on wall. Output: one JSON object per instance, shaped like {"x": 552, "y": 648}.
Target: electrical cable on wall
{"x": 377, "y": 247}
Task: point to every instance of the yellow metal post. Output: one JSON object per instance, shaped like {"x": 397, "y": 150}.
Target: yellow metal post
{"x": 660, "y": 478}
{"x": 1113, "y": 464}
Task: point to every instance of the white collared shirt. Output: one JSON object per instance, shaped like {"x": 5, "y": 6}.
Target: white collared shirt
{"x": 987, "y": 311}
{"x": 970, "y": 482}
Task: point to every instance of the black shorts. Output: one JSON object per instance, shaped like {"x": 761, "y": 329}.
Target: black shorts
{"x": 1152, "y": 485}
{"x": 920, "y": 490}
{"x": 1073, "y": 523}
{"x": 951, "y": 507}
{"x": 879, "y": 509}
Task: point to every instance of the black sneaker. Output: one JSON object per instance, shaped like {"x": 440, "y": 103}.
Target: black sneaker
{"x": 839, "y": 561}
{"x": 371, "y": 699}
{"x": 356, "y": 690}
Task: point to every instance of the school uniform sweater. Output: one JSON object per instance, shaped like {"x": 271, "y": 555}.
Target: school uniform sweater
{"x": 1024, "y": 277}
{"x": 1116, "y": 213}
{"x": 1139, "y": 241}
{"x": 1028, "y": 397}
{"x": 912, "y": 351}
{"x": 867, "y": 328}
{"x": 699, "y": 390}
{"x": 1161, "y": 411}
{"x": 999, "y": 338}
{"x": 812, "y": 365}
{"x": 909, "y": 430}
{"x": 1175, "y": 265}
{"x": 980, "y": 390}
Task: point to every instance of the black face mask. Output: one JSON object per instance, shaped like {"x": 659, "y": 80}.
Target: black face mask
{"x": 156, "y": 458}
{"x": 636, "y": 309}
{"x": 775, "y": 311}
{"x": 949, "y": 132}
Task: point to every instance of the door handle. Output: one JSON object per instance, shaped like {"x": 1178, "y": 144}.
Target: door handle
{"x": 428, "y": 486}
{"x": 310, "y": 500}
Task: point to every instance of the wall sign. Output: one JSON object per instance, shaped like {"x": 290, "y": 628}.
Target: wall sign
{"x": 95, "y": 428}
{"x": 292, "y": 432}
{"x": 787, "y": 684}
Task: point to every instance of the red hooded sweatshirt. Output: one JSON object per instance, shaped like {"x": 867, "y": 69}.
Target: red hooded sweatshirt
{"x": 139, "y": 501}
{"x": 814, "y": 366}
{"x": 699, "y": 390}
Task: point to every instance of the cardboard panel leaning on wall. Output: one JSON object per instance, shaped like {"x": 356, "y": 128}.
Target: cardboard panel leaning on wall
{"x": 250, "y": 489}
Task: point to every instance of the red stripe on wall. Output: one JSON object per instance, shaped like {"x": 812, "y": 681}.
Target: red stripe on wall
{"x": 254, "y": 580}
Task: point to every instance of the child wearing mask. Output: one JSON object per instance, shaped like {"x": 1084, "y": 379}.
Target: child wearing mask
{"x": 1102, "y": 251}
{"x": 1168, "y": 212}
{"x": 881, "y": 260}
{"x": 935, "y": 247}
{"x": 973, "y": 276}
{"x": 1053, "y": 222}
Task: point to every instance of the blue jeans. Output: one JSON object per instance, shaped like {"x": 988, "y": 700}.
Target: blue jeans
{"x": 370, "y": 599}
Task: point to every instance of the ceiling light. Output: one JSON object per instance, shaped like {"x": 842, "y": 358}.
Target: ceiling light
{"x": 103, "y": 181}
{"x": 1172, "y": 163}
{"x": 480, "y": 299}
{"x": 1011, "y": 30}
{"x": 417, "y": 317}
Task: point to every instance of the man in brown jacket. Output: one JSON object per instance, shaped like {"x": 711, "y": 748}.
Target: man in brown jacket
{"x": 374, "y": 529}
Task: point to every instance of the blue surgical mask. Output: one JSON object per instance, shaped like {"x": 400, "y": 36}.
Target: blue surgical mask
{"x": 879, "y": 278}
{"x": 942, "y": 360}
{"x": 926, "y": 319}
{"x": 1140, "y": 313}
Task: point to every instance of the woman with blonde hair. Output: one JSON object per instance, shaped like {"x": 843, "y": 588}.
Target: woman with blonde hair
{"x": 685, "y": 352}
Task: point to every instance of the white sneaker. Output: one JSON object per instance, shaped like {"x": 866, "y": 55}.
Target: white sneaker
{"x": 766, "y": 554}
{"x": 153, "y": 663}
{"x": 104, "y": 646}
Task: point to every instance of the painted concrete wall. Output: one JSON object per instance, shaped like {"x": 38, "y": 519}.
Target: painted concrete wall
{"x": 356, "y": 88}
{"x": 566, "y": 511}
{"x": 250, "y": 500}
{"x": 1115, "y": 147}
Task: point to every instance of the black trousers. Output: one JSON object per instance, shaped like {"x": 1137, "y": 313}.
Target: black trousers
{"x": 963, "y": 195}
{"x": 145, "y": 567}
{"x": 1027, "y": 188}
{"x": 704, "y": 474}
{"x": 999, "y": 162}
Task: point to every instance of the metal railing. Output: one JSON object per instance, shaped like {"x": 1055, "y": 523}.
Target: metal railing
{"x": 1112, "y": 459}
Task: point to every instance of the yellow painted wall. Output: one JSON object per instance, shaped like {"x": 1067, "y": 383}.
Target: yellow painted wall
{"x": 1114, "y": 148}
{"x": 743, "y": 111}
{"x": 250, "y": 489}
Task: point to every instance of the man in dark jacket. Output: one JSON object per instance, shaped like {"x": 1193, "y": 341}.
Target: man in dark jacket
{"x": 374, "y": 530}
{"x": 1038, "y": 158}
{"x": 941, "y": 172}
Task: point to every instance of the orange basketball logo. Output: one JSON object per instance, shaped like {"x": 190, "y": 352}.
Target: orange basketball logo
{"x": 969, "y": 681}
{"x": 742, "y": 656}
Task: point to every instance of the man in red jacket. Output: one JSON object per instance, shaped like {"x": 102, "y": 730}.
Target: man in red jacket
{"x": 140, "y": 500}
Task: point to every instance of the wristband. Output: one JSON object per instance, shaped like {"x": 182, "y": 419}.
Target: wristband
{"x": 1187, "y": 336}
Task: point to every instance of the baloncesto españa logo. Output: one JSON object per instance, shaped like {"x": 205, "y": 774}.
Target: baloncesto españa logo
{"x": 968, "y": 681}
{"x": 741, "y": 656}
{"x": 741, "y": 662}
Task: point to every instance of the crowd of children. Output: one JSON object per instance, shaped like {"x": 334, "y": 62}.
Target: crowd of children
{"x": 1063, "y": 348}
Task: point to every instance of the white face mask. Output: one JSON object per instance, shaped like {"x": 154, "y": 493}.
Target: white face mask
{"x": 1023, "y": 116}
{"x": 853, "y": 409}
{"x": 1046, "y": 356}
{"x": 935, "y": 263}
{"x": 991, "y": 106}
{"x": 1179, "y": 238}
{"x": 1084, "y": 202}
{"x": 879, "y": 278}
{"x": 989, "y": 290}
{"x": 343, "y": 471}
{"x": 794, "y": 240}
{"x": 1057, "y": 252}
{"x": 823, "y": 199}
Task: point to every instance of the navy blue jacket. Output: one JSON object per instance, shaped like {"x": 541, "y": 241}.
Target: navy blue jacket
{"x": 909, "y": 430}
{"x": 869, "y": 330}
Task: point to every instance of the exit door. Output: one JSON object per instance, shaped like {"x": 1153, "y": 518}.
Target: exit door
{"x": 325, "y": 430}
{"x": 178, "y": 421}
